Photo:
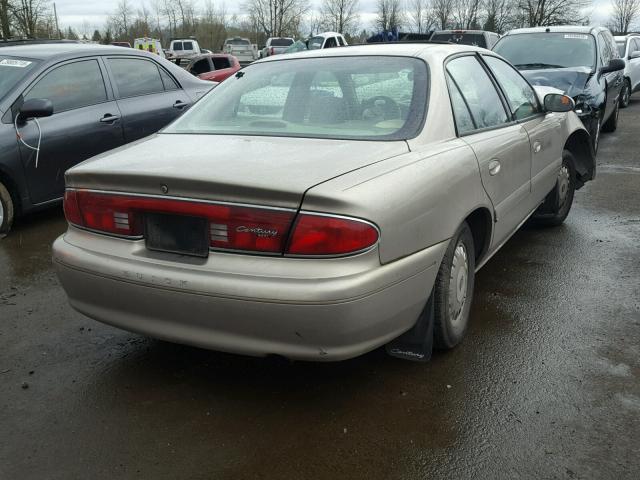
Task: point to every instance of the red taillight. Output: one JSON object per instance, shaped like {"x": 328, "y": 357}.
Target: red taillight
{"x": 70, "y": 207}
{"x": 328, "y": 235}
{"x": 230, "y": 226}
{"x": 273, "y": 51}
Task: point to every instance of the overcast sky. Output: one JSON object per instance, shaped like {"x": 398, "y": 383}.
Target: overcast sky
{"x": 75, "y": 13}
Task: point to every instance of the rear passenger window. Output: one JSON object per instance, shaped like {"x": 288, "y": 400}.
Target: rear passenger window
{"x": 330, "y": 43}
{"x": 461, "y": 114}
{"x": 478, "y": 91}
{"x": 168, "y": 82}
{"x": 135, "y": 77}
{"x": 221, "y": 63}
{"x": 70, "y": 86}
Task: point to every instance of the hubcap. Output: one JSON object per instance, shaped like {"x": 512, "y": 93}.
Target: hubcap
{"x": 458, "y": 282}
{"x": 563, "y": 185}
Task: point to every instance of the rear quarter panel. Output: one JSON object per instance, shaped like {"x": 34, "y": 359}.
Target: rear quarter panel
{"x": 417, "y": 200}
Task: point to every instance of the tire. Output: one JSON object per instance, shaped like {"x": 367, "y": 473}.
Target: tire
{"x": 558, "y": 202}
{"x": 6, "y": 210}
{"x": 612, "y": 123}
{"x": 625, "y": 94}
{"x": 453, "y": 291}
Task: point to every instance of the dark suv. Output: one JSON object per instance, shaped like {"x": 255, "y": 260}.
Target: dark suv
{"x": 582, "y": 62}
{"x": 74, "y": 101}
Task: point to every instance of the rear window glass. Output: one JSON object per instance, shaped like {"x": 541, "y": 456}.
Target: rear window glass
{"x": 237, "y": 41}
{"x": 177, "y": 45}
{"x": 281, "y": 42}
{"x": 475, "y": 39}
{"x": 352, "y": 98}
{"x": 12, "y": 70}
{"x": 621, "y": 48}
{"x": 187, "y": 45}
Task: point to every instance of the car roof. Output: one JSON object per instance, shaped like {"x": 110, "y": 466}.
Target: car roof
{"x": 426, "y": 50}
{"x": 557, "y": 29}
{"x": 457, "y": 30}
{"x": 624, "y": 37}
{"x": 48, "y": 51}
{"x": 327, "y": 34}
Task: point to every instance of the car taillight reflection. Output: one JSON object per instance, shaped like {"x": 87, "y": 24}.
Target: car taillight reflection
{"x": 231, "y": 227}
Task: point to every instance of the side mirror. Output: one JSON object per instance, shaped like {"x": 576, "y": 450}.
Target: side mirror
{"x": 36, "y": 108}
{"x": 615, "y": 64}
{"x": 555, "y": 102}
{"x": 635, "y": 54}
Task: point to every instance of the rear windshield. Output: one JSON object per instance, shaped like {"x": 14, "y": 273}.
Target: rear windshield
{"x": 281, "y": 42}
{"x": 533, "y": 51}
{"x": 12, "y": 71}
{"x": 177, "y": 45}
{"x": 475, "y": 39}
{"x": 237, "y": 41}
{"x": 373, "y": 98}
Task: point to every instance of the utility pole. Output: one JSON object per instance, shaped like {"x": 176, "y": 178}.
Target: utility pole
{"x": 55, "y": 14}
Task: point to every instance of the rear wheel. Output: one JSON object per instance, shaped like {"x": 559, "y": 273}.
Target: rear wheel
{"x": 556, "y": 206}
{"x": 453, "y": 290}
{"x": 612, "y": 123}
{"x": 6, "y": 210}
{"x": 625, "y": 94}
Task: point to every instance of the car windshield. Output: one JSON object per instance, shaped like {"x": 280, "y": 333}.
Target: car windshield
{"x": 315, "y": 43}
{"x": 475, "y": 39}
{"x": 281, "y": 42}
{"x": 12, "y": 70}
{"x": 532, "y": 51}
{"x": 622, "y": 46}
{"x": 375, "y": 98}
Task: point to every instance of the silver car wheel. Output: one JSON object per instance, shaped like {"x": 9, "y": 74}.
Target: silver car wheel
{"x": 458, "y": 283}
{"x": 564, "y": 182}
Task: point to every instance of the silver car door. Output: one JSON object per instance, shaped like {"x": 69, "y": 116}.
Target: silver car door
{"x": 634, "y": 64}
{"x": 500, "y": 145}
{"x": 546, "y": 136}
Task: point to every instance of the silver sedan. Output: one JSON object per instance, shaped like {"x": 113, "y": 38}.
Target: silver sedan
{"x": 322, "y": 204}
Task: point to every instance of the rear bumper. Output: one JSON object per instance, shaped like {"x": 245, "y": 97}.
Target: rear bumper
{"x": 331, "y": 314}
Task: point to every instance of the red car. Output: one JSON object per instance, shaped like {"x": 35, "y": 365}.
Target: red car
{"x": 214, "y": 66}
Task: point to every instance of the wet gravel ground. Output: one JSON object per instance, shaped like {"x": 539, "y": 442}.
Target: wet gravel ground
{"x": 546, "y": 385}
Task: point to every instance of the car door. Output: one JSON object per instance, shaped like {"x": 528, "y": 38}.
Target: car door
{"x": 611, "y": 81}
{"x": 634, "y": 64}
{"x": 501, "y": 145}
{"x": 148, "y": 96}
{"x": 86, "y": 121}
{"x": 544, "y": 129}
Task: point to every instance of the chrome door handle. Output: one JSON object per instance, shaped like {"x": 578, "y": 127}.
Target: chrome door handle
{"x": 537, "y": 146}
{"x": 494, "y": 167}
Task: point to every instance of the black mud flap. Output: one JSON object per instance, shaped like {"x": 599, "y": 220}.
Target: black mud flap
{"x": 416, "y": 344}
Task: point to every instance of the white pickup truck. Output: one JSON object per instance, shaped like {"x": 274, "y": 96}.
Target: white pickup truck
{"x": 241, "y": 48}
{"x": 183, "y": 50}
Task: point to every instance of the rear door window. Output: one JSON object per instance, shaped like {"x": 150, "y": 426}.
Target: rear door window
{"x": 201, "y": 66}
{"x": 135, "y": 77}
{"x": 331, "y": 42}
{"x": 478, "y": 91}
{"x": 70, "y": 86}
{"x": 221, "y": 63}
{"x": 168, "y": 82}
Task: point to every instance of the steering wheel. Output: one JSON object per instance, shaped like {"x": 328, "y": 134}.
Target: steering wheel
{"x": 380, "y": 108}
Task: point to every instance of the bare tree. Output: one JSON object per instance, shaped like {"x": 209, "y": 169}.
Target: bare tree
{"x": 390, "y": 14}
{"x": 5, "y": 19}
{"x": 465, "y": 13}
{"x": 277, "y": 18}
{"x": 418, "y": 15}
{"x": 340, "y": 15}
{"x": 121, "y": 19}
{"x": 499, "y": 15}
{"x": 442, "y": 11}
{"x": 537, "y": 13}
{"x": 624, "y": 13}
{"x": 28, "y": 13}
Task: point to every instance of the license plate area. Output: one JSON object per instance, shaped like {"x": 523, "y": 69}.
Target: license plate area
{"x": 179, "y": 234}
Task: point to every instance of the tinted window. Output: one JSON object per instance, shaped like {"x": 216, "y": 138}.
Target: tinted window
{"x": 344, "y": 97}
{"x": 532, "y": 51}
{"x": 237, "y": 41}
{"x": 135, "y": 77}
{"x": 221, "y": 62}
{"x": 331, "y": 42}
{"x": 341, "y": 41}
{"x": 187, "y": 45}
{"x": 461, "y": 114}
{"x": 478, "y": 91}
{"x": 281, "y": 42}
{"x": 12, "y": 70}
{"x": 521, "y": 97}
{"x": 177, "y": 45}
{"x": 201, "y": 66}
{"x": 168, "y": 82}
{"x": 476, "y": 39}
{"x": 71, "y": 86}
